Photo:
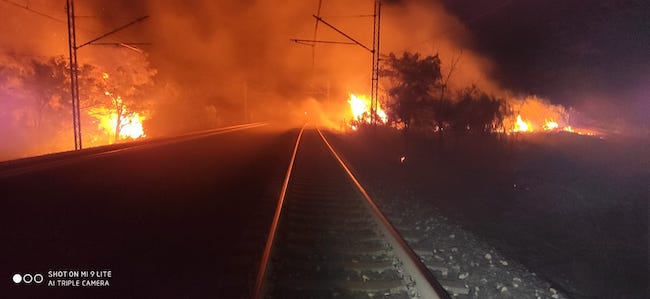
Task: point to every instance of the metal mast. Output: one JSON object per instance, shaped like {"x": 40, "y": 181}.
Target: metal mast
{"x": 74, "y": 67}
{"x": 374, "y": 93}
{"x": 74, "y": 72}
{"x": 374, "y": 84}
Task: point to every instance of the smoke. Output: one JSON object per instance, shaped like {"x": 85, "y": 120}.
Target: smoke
{"x": 225, "y": 62}
{"x": 238, "y": 56}
{"x": 426, "y": 27}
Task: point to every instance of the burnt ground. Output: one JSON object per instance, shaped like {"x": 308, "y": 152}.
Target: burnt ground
{"x": 570, "y": 209}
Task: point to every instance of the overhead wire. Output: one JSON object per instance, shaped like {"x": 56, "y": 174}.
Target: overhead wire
{"x": 48, "y": 16}
{"x": 26, "y": 7}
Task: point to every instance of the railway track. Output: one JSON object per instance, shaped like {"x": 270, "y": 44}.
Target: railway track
{"x": 329, "y": 240}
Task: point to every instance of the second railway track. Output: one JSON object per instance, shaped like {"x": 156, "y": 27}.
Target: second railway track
{"x": 329, "y": 240}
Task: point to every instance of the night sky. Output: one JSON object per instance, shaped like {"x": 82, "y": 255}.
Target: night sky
{"x": 570, "y": 51}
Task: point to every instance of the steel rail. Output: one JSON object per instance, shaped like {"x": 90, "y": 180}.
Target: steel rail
{"x": 426, "y": 284}
{"x": 261, "y": 274}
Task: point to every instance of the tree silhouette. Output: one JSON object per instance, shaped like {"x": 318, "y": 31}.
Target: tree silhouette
{"x": 412, "y": 104}
{"x": 477, "y": 112}
{"x": 46, "y": 83}
{"x": 419, "y": 98}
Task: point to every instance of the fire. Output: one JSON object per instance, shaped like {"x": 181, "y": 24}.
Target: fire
{"x": 360, "y": 108}
{"x": 130, "y": 123}
{"x": 131, "y": 126}
{"x": 551, "y": 125}
{"x": 533, "y": 115}
{"x": 117, "y": 122}
{"x": 522, "y": 126}
{"x": 536, "y": 114}
{"x": 587, "y": 132}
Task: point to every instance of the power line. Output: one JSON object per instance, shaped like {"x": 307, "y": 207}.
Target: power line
{"x": 40, "y": 13}
{"x": 114, "y": 31}
{"x": 342, "y": 33}
{"x": 311, "y": 42}
{"x": 34, "y": 11}
{"x": 101, "y": 16}
{"x": 348, "y": 16}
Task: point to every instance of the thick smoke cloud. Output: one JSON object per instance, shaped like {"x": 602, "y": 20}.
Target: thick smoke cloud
{"x": 224, "y": 62}
{"x": 222, "y": 54}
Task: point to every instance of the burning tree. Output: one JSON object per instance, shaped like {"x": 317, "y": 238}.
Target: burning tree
{"x": 122, "y": 92}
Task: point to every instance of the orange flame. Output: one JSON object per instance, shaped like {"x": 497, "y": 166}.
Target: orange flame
{"x": 522, "y": 126}
{"x": 130, "y": 123}
{"x": 131, "y": 126}
{"x": 360, "y": 108}
{"x": 551, "y": 125}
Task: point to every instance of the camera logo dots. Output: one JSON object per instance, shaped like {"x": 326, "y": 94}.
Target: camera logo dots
{"x": 27, "y": 278}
